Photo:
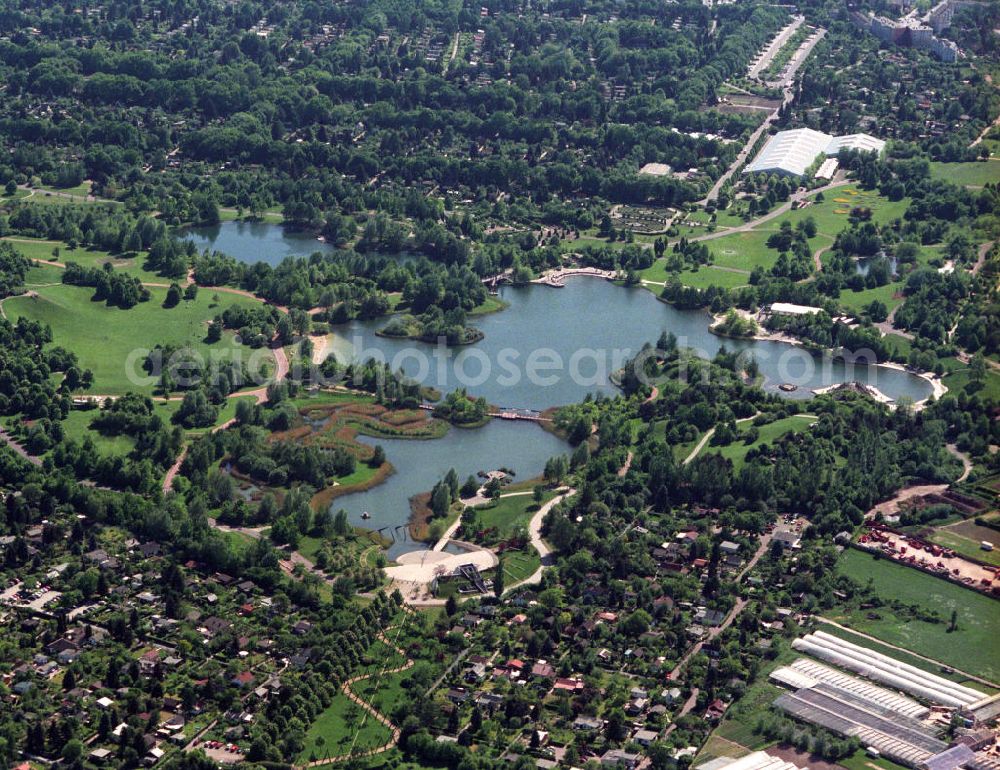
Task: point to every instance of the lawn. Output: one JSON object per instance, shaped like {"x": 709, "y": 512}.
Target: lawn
{"x": 831, "y": 214}
{"x": 518, "y": 565}
{"x": 34, "y": 248}
{"x": 743, "y": 251}
{"x": 52, "y": 197}
{"x": 77, "y": 427}
{"x": 333, "y": 733}
{"x": 717, "y": 746}
{"x": 905, "y": 657}
{"x": 509, "y": 513}
{"x": 111, "y": 342}
{"x": 973, "y": 174}
{"x": 226, "y": 412}
{"x": 857, "y": 301}
{"x": 860, "y": 760}
{"x": 384, "y": 692}
{"x": 703, "y": 277}
{"x": 958, "y": 380}
{"x": 739, "y": 722}
{"x": 746, "y": 250}
{"x": 709, "y": 275}
{"x": 42, "y": 275}
{"x": 971, "y": 648}
{"x": 238, "y": 542}
{"x": 737, "y": 451}
{"x": 900, "y": 345}
{"x": 490, "y": 305}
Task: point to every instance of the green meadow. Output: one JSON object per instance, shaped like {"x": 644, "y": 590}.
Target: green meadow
{"x": 768, "y": 434}
{"x": 972, "y": 647}
{"x": 106, "y": 339}
{"x": 976, "y": 173}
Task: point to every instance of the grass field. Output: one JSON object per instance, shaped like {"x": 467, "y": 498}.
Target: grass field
{"x": 77, "y": 426}
{"x": 42, "y": 275}
{"x": 899, "y": 344}
{"x": 972, "y": 174}
{"x": 702, "y": 278}
{"x": 860, "y": 760}
{"x": 743, "y": 251}
{"x": 106, "y": 339}
{"x": 904, "y": 657}
{"x": 857, "y": 301}
{"x": 827, "y": 213}
{"x": 490, "y": 305}
{"x": 971, "y": 648}
{"x": 717, "y": 746}
{"x": 509, "y": 513}
{"x": 333, "y": 732}
{"x": 708, "y": 275}
{"x": 73, "y": 196}
{"x": 958, "y": 379}
{"x": 737, "y": 451}
{"x": 82, "y": 189}
{"x": 739, "y": 722}
{"x": 34, "y": 248}
{"x": 226, "y": 412}
{"x": 965, "y": 537}
{"x": 519, "y": 565}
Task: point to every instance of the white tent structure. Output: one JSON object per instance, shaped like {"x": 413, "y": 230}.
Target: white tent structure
{"x": 758, "y": 760}
{"x": 808, "y": 673}
{"x": 885, "y": 670}
{"x": 792, "y": 152}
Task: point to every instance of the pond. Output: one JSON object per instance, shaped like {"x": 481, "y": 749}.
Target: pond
{"x": 253, "y": 242}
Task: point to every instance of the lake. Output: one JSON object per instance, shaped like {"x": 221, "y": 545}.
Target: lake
{"x": 554, "y": 346}
{"x": 519, "y": 446}
{"x": 550, "y": 347}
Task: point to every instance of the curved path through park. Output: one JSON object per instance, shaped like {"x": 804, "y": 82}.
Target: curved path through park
{"x": 535, "y": 535}
{"x": 370, "y": 710}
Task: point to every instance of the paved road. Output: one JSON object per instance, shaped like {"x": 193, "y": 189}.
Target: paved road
{"x": 686, "y": 709}
{"x": 776, "y": 44}
{"x": 777, "y": 212}
{"x": 742, "y": 156}
{"x": 711, "y": 634}
{"x": 799, "y": 58}
{"x": 741, "y": 603}
{"x": 787, "y": 94}
{"x": 18, "y": 449}
{"x": 699, "y": 446}
{"x": 707, "y": 437}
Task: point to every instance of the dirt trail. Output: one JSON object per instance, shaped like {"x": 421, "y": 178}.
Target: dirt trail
{"x": 173, "y": 470}
{"x": 369, "y": 708}
{"x": 891, "y": 505}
